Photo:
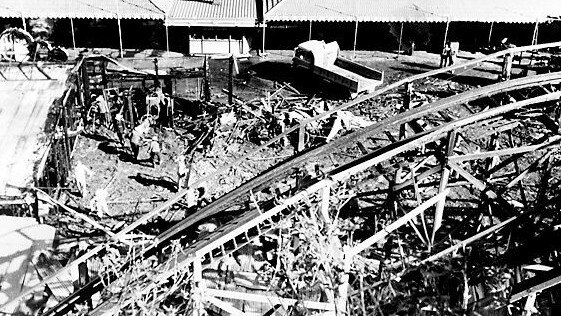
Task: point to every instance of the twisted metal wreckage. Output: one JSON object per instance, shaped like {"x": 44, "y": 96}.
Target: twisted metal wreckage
{"x": 476, "y": 169}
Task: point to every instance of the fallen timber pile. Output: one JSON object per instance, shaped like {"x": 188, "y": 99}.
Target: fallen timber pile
{"x": 314, "y": 152}
{"x": 205, "y": 248}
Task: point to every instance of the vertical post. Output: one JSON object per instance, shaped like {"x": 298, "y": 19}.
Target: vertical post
{"x": 354, "y": 43}
{"x": 167, "y": 34}
{"x": 490, "y": 33}
{"x": 85, "y": 82}
{"x": 535, "y": 34}
{"x": 229, "y": 44}
{"x": 157, "y": 81}
{"x": 66, "y": 115}
{"x": 73, "y": 36}
{"x": 23, "y": 23}
{"x": 231, "y": 79}
{"x": 400, "y": 37}
{"x": 206, "y": 88}
{"x": 197, "y": 283}
{"x": 310, "y": 31}
{"x": 120, "y": 31}
{"x": 130, "y": 106}
{"x": 120, "y": 38}
{"x": 263, "y": 43}
{"x": 439, "y": 211}
{"x": 324, "y": 207}
{"x": 446, "y": 32}
{"x": 83, "y": 279}
{"x": 301, "y": 138}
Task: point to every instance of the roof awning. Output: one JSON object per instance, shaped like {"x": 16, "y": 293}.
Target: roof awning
{"x": 509, "y": 11}
{"x": 81, "y": 9}
{"x": 223, "y": 13}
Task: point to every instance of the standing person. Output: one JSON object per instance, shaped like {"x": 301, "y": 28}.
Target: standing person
{"x": 154, "y": 150}
{"x": 445, "y": 55}
{"x": 451, "y": 54}
{"x": 181, "y": 172}
{"x": 118, "y": 125}
{"x": 80, "y": 174}
{"x": 137, "y": 136}
{"x": 103, "y": 110}
{"x": 507, "y": 67}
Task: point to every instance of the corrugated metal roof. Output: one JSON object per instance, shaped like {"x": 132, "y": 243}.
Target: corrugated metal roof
{"x": 519, "y": 11}
{"x": 220, "y": 12}
{"x": 240, "y": 13}
{"x": 84, "y": 9}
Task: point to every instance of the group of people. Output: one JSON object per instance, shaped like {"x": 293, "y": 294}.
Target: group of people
{"x": 137, "y": 137}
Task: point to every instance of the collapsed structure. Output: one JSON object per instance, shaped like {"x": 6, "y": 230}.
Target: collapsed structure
{"x": 435, "y": 204}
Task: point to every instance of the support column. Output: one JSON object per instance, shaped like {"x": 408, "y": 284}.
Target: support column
{"x": 263, "y": 40}
{"x": 490, "y": 33}
{"x": 324, "y": 207}
{"x": 446, "y": 32}
{"x": 535, "y": 34}
{"x": 73, "y": 36}
{"x": 310, "y": 32}
{"x": 231, "y": 80}
{"x": 197, "y": 287}
{"x": 167, "y": 35}
{"x": 120, "y": 30}
{"x": 439, "y": 211}
{"x": 400, "y": 37}
{"x": 120, "y": 38}
{"x": 354, "y": 43}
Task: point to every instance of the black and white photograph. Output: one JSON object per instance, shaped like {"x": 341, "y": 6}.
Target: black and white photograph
{"x": 280, "y": 157}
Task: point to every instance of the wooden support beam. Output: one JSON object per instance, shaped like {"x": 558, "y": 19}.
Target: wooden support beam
{"x": 535, "y": 284}
{"x": 478, "y": 184}
{"x": 555, "y": 140}
{"x": 398, "y": 223}
{"x": 301, "y": 138}
{"x": 439, "y": 211}
{"x": 517, "y": 169}
{"x": 423, "y": 175}
{"x": 464, "y": 243}
{"x": 272, "y": 299}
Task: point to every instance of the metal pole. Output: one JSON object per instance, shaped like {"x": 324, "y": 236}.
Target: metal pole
{"x": 263, "y": 48}
{"x": 73, "y": 36}
{"x": 490, "y": 33}
{"x": 310, "y": 32}
{"x": 354, "y": 43}
{"x": 535, "y": 34}
{"x": 400, "y": 37}
{"x": 446, "y": 32}
{"x": 23, "y": 22}
{"x": 167, "y": 35}
{"x": 120, "y": 31}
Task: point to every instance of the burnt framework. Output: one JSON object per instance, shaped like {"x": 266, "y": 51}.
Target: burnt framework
{"x": 420, "y": 173}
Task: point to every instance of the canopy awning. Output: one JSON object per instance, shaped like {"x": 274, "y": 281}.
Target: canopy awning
{"x": 81, "y": 9}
